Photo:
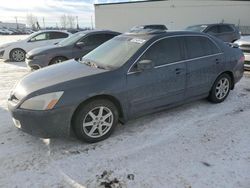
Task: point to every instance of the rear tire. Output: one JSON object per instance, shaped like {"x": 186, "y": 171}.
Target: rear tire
{"x": 220, "y": 89}
{"x": 95, "y": 121}
{"x": 57, "y": 60}
{"x": 17, "y": 55}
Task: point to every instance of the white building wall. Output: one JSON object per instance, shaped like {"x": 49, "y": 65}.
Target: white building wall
{"x": 176, "y": 14}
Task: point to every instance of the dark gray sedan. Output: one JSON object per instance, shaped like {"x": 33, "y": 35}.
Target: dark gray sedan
{"x": 126, "y": 77}
{"x": 75, "y": 46}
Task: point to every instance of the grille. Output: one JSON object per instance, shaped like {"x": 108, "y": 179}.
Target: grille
{"x": 245, "y": 45}
{"x": 247, "y": 62}
{"x": 245, "y": 48}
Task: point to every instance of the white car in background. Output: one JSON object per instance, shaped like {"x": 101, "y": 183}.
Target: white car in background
{"x": 244, "y": 44}
{"x": 16, "y": 51}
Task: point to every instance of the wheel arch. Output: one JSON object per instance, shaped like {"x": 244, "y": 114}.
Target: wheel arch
{"x": 230, "y": 73}
{"x": 57, "y": 56}
{"x": 111, "y": 98}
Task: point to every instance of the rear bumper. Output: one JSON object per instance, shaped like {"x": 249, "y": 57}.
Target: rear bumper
{"x": 44, "y": 124}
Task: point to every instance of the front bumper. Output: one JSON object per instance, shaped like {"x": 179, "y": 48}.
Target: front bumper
{"x": 44, "y": 124}
{"x": 32, "y": 64}
{"x": 37, "y": 63}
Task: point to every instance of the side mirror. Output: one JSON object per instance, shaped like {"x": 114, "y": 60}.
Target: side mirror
{"x": 144, "y": 65}
{"x": 80, "y": 44}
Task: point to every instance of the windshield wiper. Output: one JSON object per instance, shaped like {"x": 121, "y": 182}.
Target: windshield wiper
{"x": 92, "y": 64}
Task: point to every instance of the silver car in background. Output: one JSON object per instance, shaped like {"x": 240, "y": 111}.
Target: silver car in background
{"x": 244, "y": 44}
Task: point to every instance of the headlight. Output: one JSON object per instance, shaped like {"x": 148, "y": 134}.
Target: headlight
{"x": 42, "y": 102}
{"x": 4, "y": 46}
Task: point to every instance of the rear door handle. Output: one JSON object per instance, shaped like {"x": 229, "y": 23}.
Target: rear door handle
{"x": 178, "y": 70}
{"x": 217, "y": 61}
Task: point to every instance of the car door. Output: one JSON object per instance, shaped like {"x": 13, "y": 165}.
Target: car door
{"x": 36, "y": 41}
{"x": 204, "y": 60}
{"x": 162, "y": 85}
{"x": 90, "y": 43}
{"x": 55, "y": 37}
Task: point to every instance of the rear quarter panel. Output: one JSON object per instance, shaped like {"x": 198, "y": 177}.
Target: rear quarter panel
{"x": 231, "y": 61}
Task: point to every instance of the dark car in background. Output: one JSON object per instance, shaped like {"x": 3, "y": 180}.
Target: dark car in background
{"x": 223, "y": 31}
{"x": 126, "y": 77}
{"x": 75, "y": 46}
{"x": 148, "y": 27}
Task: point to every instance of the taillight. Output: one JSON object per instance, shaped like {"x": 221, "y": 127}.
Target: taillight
{"x": 242, "y": 59}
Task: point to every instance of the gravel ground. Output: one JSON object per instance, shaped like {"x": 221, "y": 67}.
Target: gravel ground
{"x": 195, "y": 145}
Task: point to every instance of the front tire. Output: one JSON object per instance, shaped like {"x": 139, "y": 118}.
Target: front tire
{"x": 17, "y": 55}
{"x": 95, "y": 121}
{"x": 220, "y": 89}
{"x": 57, "y": 60}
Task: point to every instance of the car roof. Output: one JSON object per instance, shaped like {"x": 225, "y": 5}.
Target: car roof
{"x": 96, "y": 31}
{"x": 149, "y": 34}
{"x": 47, "y": 31}
{"x": 212, "y": 24}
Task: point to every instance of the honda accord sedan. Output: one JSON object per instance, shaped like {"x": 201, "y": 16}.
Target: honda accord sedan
{"x": 76, "y": 46}
{"x": 130, "y": 75}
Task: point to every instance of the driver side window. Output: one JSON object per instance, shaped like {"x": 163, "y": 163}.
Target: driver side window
{"x": 40, "y": 37}
{"x": 163, "y": 52}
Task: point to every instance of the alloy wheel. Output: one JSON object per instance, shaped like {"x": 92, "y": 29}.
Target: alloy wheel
{"x": 98, "y": 122}
{"x": 222, "y": 88}
{"x": 18, "y": 55}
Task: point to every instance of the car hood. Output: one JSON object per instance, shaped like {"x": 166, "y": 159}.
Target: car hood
{"x": 52, "y": 75}
{"x": 4, "y": 45}
{"x": 42, "y": 50}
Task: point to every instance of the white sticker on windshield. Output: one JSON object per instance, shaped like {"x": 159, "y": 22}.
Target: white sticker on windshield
{"x": 136, "y": 40}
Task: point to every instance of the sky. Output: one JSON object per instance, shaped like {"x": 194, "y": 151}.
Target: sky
{"x": 50, "y": 10}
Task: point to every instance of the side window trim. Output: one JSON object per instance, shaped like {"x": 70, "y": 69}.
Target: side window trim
{"x": 186, "y": 60}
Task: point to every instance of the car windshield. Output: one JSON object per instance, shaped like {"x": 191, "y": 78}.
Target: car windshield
{"x": 71, "y": 40}
{"x": 198, "y": 28}
{"x": 114, "y": 53}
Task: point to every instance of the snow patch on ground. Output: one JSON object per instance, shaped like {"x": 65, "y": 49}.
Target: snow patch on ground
{"x": 195, "y": 145}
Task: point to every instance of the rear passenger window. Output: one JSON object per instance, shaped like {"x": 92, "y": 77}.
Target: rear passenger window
{"x": 57, "y": 35}
{"x": 225, "y": 28}
{"x": 200, "y": 46}
{"x": 164, "y": 52}
{"x": 97, "y": 39}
